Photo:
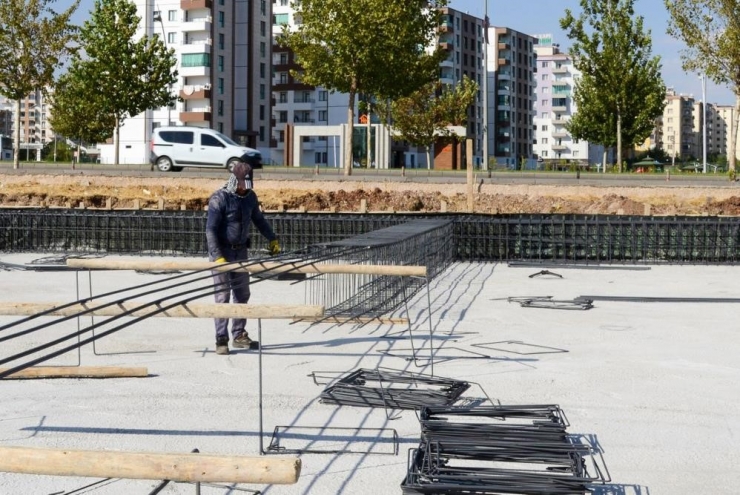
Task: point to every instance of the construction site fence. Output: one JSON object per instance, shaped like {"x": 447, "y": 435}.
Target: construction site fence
{"x": 483, "y": 238}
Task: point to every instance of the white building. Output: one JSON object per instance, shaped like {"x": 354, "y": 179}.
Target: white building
{"x": 223, "y": 61}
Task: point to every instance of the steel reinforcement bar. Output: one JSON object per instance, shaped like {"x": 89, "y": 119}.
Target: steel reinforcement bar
{"x": 521, "y": 237}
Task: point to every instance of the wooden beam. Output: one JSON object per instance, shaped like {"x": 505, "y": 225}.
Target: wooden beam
{"x": 363, "y": 319}
{"x": 273, "y": 267}
{"x": 151, "y": 466}
{"x": 189, "y": 310}
{"x": 77, "y": 372}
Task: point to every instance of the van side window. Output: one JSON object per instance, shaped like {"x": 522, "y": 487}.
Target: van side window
{"x": 208, "y": 140}
{"x": 181, "y": 137}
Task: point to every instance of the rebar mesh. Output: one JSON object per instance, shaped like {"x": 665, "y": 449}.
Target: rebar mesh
{"x": 425, "y": 243}
{"x": 524, "y": 237}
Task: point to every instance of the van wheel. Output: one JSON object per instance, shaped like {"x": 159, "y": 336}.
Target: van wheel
{"x": 230, "y": 164}
{"x": 164, "y": 164}
{"x": 177, "y": 169}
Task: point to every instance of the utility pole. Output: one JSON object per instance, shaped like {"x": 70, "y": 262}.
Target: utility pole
{"x": 485, "y": 87}
{"x": 703, "y": 78}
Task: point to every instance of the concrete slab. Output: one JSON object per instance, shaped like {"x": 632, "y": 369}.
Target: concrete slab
{"x": 655, "y": 384}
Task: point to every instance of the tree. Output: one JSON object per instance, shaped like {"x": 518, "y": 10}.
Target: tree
{"x": 124, "y": 75}
{"x": 426, "y": 114}
{"x": 34, "y": 42}
{"x": 711, "y": 30}
{"x": 621, "y": 79}
{"x": 589, "y": 122}
{"x": 376, "y": 47}
{"x": 75, "y": 115}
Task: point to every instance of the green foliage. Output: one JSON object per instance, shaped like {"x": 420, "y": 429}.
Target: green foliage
{"x": 711, "y": 31}
{"x": 376, "y": 47}
{"x": 76, "y": 115}
{"x": 426, "y": 113}
{"x": 621, "y": 84}
{"x": 64, "y": 152}
{"x": 122, "y": 74}
{"x": 34, "y": 42}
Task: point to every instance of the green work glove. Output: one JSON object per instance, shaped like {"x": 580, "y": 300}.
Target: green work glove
{"x": 220, "y": 260}
{"x": 274, "y": 247}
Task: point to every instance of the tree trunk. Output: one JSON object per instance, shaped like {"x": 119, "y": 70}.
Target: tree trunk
{"x": 116, "y": 141}
{"x": 619, "y": 141}
{"x": 733, "y": 134}
{"x": 350, "y": 130}
{"x": 17, "y": 136}
{"x": 603, "y": 160}
{"x": 429, "y": 156}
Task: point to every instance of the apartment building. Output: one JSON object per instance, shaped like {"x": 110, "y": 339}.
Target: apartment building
{"x": 678, "y": 130}
{"x": 34, "y": 120}
{"x": 511, "y": 67}
{"x": 556, "y": 77}
{"x": 223, "y": 51}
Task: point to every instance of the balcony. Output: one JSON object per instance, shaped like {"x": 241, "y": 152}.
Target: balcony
{"x": 197, "y": 46}
{"x": 559, "y": 108}
{"x": 563, "y": 69}
{"x": 503, "y": 62}
{"x": 445, "y": 28}
{"x": 504, "y": 45}
{"x": 559, "y": 147}
{"x": 503, "y": 136}
{"x": 504, "y": 75}
{"x": 196, "y": 4}
{"x": 445, "y": 45}
{"x": 559, "y": 134}
{"x": 446, "y": 79}
{"x": 200, "y": 70}
{"x": 560, "y": 121}
{"x": 448, "y": 62}
{"x": 202, "y": 115}
{"x": 197, "y": 25}
{"x": 195, "y": 92}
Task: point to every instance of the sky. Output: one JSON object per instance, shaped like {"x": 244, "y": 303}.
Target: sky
{"x": 543, "y": 17}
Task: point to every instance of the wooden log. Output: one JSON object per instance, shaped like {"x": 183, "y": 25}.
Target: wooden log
{"x": 362, "y": 319}
{"x": 273, "y": 267}
{"x": 151, "y": 466}
{"x": 77, "y": 372}
{"x": 189, "y": 310}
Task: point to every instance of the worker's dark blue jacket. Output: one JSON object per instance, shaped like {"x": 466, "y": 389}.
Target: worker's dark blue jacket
{"x": 229, "y": 219}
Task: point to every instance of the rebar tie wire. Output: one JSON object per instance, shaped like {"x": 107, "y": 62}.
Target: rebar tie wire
{"x": 270, "y": 271}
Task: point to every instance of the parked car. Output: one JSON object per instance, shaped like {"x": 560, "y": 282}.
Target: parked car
{"x": 173, "y": 148}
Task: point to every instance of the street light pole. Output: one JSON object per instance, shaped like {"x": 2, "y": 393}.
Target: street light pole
{"x": 158, "y": 18}
{"x": 485, "y": 87}
{"x": 704, "y": 121}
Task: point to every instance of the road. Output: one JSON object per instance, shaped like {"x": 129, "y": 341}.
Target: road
{"x": 394, "y": 175}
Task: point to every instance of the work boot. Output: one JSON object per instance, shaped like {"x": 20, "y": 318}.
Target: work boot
{"x": 242, "y": 341}
{"x": 222, "y": 348}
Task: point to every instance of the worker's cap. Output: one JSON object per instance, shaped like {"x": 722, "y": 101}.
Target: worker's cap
{"x": 252, "y": 158}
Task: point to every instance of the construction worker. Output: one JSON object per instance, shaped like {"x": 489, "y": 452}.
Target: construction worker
{"x": 231, "y": 210}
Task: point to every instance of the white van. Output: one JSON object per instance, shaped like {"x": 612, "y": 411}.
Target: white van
{"x": 173, "y": 148}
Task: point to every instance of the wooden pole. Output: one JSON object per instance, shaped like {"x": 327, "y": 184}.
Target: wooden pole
{"x": 273, "y": 267}
{"x": 189, "y": 310}
{"x": 77, "y": 372}
{"x": 362, "y": 319}
{"x": 151, "y": 466}
{"x": 469, "y": 173}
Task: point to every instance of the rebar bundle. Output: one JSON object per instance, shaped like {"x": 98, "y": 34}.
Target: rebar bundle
{"x": 523, "y": 237}
{"x": 499, "y": 450}
{"x": 392, "y": 390}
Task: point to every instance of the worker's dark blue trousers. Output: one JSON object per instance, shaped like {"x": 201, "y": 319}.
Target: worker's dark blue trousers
{"x": 226, "y": 284}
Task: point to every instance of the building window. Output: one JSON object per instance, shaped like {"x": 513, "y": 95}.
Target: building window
{"x": 282, "y": 19}
{"x": 323, "y": 95}
{"x": 220, "y": 63}
{"x": 283, "y": 117}
{"x": 263, "y": 28}
{"x": 544, "y": 154}
{"x": 220, "y": 85}
{"x": 544, "y": 103}
{"x": 262, "y": 70}
{"x": 544, "y": 127}
{"x": 263, "y": 49}
{"x": 196, "y": 60}
{"x": 222, "y": 2}
{"x": 221, "y": 125}
{"x": 262, "y": 91}
{"x": 283, "y": 98}
{"x": 171, "y": 15}
{"x": 221, "y": 42}
{"x": 220, "y": 107}
{"x": 545, "y": 77}
{"x": 263, "y": 7}
{"x": 322, "y": 116}
{"x": 262, "y": 112}
{"x": 283, "y": 78}
{"x": 221, "y": 19}
{"x": 171, "y": 38}
{"x": 262, "y": 133}
{"x": 545, "y": 140}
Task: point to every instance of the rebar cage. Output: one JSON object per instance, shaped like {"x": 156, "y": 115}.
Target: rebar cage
{"x": 524, "y": 237}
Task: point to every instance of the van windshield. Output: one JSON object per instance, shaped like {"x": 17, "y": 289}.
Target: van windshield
{"x": 226, "y": 139}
